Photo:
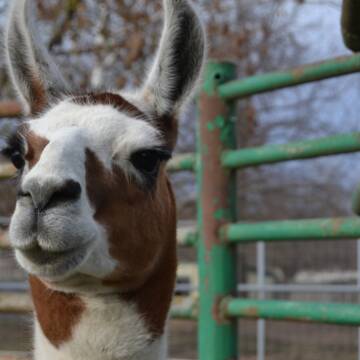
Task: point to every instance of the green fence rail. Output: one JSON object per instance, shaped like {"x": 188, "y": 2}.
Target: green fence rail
{"x": 314, "y": 229}
{"x": 182, "y": 162}
{"x": 283, "y": 79}
{"x": 302, "y": 311}
{"x": 270, "y": 154}
{"x": 189, "y": 312}
{"x": 337, "y": 314}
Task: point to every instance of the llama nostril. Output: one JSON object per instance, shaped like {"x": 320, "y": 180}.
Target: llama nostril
{"x": 46, "y": 194}
{"x": 70, "y": 191}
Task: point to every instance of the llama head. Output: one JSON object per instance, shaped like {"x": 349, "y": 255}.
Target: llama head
{"x": 94, "y": 204}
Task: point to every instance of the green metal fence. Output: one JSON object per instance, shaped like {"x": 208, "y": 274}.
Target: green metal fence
{"x": 215, "y": 164}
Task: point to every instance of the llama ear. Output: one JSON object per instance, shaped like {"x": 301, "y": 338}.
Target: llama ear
{"x": 33, "y": 73}
{"x": 179, "y": 60}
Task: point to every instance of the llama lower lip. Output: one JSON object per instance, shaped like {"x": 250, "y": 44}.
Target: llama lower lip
{"x": 40, "y": 257}
{"x": 50, "y": 265}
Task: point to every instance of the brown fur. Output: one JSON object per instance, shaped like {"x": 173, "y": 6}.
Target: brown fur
{"x": 38, "y": 100}
{"x": 35, "y": 146}
{"x": 117, "y": 101}
{"x": 141, "y": 226}
{"x": 56, "y": 312}
{"x": 168, "y": 126}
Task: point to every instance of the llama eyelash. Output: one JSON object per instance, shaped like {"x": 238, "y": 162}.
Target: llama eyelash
{"x": 147, "y": 162}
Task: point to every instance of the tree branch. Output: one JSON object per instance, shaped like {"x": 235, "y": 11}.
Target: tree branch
{"x": 70, "y": 11}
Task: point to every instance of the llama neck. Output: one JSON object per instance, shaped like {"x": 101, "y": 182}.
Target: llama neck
{"x": 116, "y": 326}
{"x": 107, "y": 331}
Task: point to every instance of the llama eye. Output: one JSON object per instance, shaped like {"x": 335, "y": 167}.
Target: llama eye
{"x": 146, "y": 161}
{"x": 17, "y": 160}
{"x": 15, "y": 150}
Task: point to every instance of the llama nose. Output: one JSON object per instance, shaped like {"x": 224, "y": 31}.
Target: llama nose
{"x": 47, "y": 195}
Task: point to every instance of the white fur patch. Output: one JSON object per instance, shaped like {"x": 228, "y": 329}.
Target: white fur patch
{"x": 108, "y": 132}
{"x": 110, "y": 329}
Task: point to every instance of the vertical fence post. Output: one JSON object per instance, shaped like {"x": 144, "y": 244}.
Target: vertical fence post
{"x": 216, "y": 206}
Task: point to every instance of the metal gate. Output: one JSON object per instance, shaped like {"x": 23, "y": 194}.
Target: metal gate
{"x": 218, "y": 234}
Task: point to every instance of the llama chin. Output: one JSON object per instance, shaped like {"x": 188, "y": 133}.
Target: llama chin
{"x": 95, "y": 220}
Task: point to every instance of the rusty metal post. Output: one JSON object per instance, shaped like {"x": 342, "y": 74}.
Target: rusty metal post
{"x": 216, "y": 207}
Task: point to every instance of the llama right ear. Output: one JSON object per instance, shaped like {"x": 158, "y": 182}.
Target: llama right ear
{"x": 179, "y": 60}
{"x": 33, "y": 73}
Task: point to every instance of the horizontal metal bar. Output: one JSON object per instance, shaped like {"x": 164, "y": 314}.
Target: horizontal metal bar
{"x": 182, "y": 162}
{"x": 7, "y": 171}
{"x": 281, "y": 79}
{"x": 346, "y": 143}
{"x": 314, "y": 229}
{"x": 184, "y": 313}
{"x": 187, "y": 235}
{"x": 14, "y": 286}
{"x": 300, "y": 288}
{"x": 14, "y": 302}
{"x": 339, "y": 314}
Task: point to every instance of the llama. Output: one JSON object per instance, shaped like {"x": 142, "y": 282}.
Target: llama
{"x": 95, "y": 220}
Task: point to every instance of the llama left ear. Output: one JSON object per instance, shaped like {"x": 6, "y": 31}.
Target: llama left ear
{"x": 179, "y": 60}
{"x": 33, "y": 73}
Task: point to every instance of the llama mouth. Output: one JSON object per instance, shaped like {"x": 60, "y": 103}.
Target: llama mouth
{"x": 47, "y": 264}
{"x": 40, "y": 257}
